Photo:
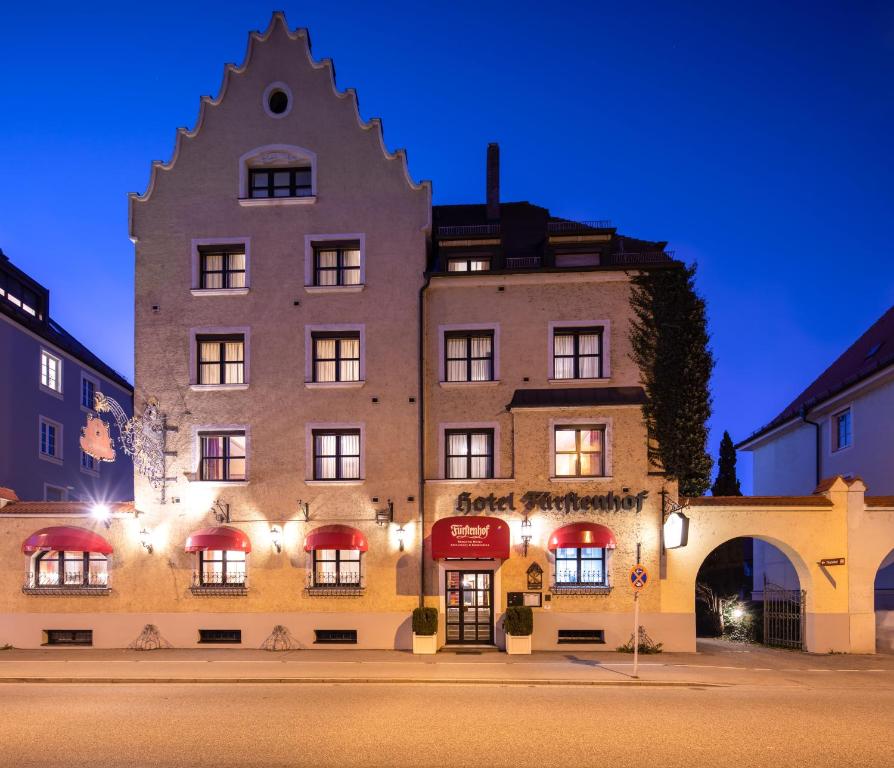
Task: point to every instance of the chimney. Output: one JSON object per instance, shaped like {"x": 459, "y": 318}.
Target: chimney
{"x": 493, "y": 182}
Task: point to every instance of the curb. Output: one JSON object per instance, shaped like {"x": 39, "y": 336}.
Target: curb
{"x": 371, "y": 680}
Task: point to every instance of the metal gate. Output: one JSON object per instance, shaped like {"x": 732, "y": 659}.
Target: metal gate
{"x": 783, "y": 616}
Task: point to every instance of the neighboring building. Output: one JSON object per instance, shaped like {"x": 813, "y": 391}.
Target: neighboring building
{"x": 373, "y": 403}
{"x": 842, "y": 424}
{"x": 47, "y": 383}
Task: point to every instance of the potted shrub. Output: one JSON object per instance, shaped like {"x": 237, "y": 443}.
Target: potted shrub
{"x": 425, "y": 630}
{"x": 518, "y": 623}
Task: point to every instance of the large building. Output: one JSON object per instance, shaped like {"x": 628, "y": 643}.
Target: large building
{"x": 371, "y": 403}
{"x": 48, "y": 381}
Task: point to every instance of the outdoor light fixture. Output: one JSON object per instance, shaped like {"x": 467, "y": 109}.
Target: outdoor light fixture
{"x": 102, "y": 513}
{"x": 385, "y": 516}
{"x": 676, "y": 530}
{"x": 221, "y": 511}
{"x": 526, "y": 533}
{"x": 400, "y": 538}
{"x": 146, "y": 540}
{"x": 304, "y": 509}
{"x": 738, "y": 612}
{"x": 276, "y": 537}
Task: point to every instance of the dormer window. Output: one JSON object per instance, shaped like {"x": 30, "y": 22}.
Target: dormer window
{"x": 280, "y": 182}
{"x": 468, "y": 264}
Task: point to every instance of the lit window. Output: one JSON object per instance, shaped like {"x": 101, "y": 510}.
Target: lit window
{"x": 470, "y": 453}
{"x": 336, "y": 357}
{"x": 280, "y": 182}
{"x": 336, "y": 264}
{"x": 336, "y": 454}
{"x": 221, "y": 267}
{"x": 469, "y": 264}
{"x": 577, "y": 353}
{"x": 71, "y": 569}
{"x": 223, "y": 456}
{"x": 88, "y": 393}
{"x": 581, "y": 566}
{"x": 843, "y": 436}
{"x": 469, "y": 356}
{"x": 579, "y": 451}
{"x": 336, "y": 567}
{"x": 222, "y": 567}
{"x": 50, "y": 442}
{"x": 221, "y": 359}
{"x": 50, "y": 371}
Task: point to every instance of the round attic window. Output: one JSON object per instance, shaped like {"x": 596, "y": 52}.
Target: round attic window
{"x": 277, "y": 100}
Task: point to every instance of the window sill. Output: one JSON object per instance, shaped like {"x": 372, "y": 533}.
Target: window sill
{"x": 217, "y": 483}
{"x": 52, "y": 459}
{"x": 333, "y": 384}
{"x": 217, "y": 387}
{"x": 54, "y": 392}
{"x": 251, "y": 202}
{"x": 591, "y": 479}
{"x": 91, "y": 472}
{"x": 322, "y": 483}
{"x": 582, "y": 381}
{"x": 85, "y": 409}
{"x": 335, "y": 288}
{"x": 468, "y": 480}
{"x": 463, "y": 384}
{"x": 219, "y": 291}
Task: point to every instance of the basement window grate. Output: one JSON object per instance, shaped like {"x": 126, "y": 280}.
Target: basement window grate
{"x": 336, "y": 636}
{"x": 578, "y": 636}
{"x": 69, "y": 637}
{"x": 212, "y": 636}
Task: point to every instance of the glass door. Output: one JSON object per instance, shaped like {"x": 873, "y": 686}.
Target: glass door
{"x": 470, "y": 612}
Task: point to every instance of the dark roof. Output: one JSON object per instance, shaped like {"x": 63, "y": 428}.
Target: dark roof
{"x": 576, "y": 397}
{"x": 872, "y": 352}
{"x": 760, "y": 501}
{"x": 55, "y": 334}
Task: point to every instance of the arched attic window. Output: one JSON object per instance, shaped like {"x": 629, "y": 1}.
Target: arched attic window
{"x": 277, "y": 174}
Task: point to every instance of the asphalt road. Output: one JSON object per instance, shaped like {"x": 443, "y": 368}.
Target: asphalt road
{"x": 834, "y": 722}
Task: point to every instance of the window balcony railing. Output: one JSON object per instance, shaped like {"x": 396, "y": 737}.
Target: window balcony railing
{"x": 219, "y": 584}
{"x": 588, "y": 583}
{"x": 644, "y": 257}
{"x": 473, "y": 230}
{"x": 577, "y": 227}
{"x": 72, "y": 584}
{"x": 523, "y": 262}
{"x": 335, "y": 585}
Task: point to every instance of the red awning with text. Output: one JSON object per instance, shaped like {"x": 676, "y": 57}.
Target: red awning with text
{"x": 220, "y": 537}
{"x": 580, "y": 535}
{"x": 470, "y": 537}
{"x": 335, "y": 537}
{"x": 66, "y": 538}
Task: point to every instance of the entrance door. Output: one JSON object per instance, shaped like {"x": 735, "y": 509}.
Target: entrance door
{"x": 470, "y": 607}
{"x": 784, "y": 613}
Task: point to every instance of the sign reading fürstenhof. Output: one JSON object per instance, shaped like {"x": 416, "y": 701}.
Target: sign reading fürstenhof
{"x": 545, "y": 501}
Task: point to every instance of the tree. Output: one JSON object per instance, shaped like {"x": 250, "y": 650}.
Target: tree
{"x": 669, "y": 336}
{"x": 726, "y": 482}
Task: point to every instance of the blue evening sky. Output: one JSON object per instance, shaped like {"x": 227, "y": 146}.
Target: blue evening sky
{"x": 754, "y": 137}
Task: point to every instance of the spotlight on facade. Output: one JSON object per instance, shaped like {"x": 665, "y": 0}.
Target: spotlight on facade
{"x": 526, "y": 535}
{"x": 676, "y": 530}
{"x": 400, "y": 537}
{"x": 102, "y": 513}
{"x": 738, "y": 612}
{"x": 146, "y": 540}
{"x": 276, "y": 537}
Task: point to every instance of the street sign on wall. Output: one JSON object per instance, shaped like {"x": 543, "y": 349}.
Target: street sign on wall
{"x": 639, "y": 577}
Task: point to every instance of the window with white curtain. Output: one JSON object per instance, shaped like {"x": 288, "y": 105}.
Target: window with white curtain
{"x": 221, "y": 359}
{"x": 581, "y": 566}
{"x": 222, "y": 456}
{"x": 221, "y": 267}
{"x": 336, "y": 357}
{"x": 577, "y": 353}
{"x": 336, "y": 454}
{"x": 222, "y": 567}
{"x": 336, "y": 567}
{"x": 337, "y": 264}
{"x": 580, "y": 451}
{"x": 470, "y": 453}
{"x": 50, "y": 371}
{"x": 469, "y": 356}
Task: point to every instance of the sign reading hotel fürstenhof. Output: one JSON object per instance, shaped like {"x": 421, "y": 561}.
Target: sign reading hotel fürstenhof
{"x": 545, "y": 501}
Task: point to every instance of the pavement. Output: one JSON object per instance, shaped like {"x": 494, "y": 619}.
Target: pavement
{"x": 717, "y": 663}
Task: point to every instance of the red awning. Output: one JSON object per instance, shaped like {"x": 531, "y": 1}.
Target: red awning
{"x": 578, "y": 535}
{"x": 219, "y": 537}
{"x": 335, "y": 537}
{"x": 68, "y": 538}
{"x": 470, "y": 537}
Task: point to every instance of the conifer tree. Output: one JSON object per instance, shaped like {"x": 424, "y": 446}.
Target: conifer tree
{"x": 669, "y": 336}
{"x": 726, "y": 483}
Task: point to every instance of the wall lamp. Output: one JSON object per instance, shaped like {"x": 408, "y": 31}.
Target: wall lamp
{"x": 276, "y": 537}
{"x": 146, "y": 540}
{"x": 526, "y": 533}
{"x": 304, "y": 509}
{"x": 221, "y": 511}
{"x": 385, "y": 516}
{"x": 102, "y": 513}
{"x": 400, "y": 537}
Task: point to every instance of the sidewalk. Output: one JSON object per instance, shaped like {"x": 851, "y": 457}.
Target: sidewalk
{"x": 715, "y": 665}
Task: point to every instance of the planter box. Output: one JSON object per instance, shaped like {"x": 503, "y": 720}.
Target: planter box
{"x": 518, "y": 644}
{"x": 425, "y": 644}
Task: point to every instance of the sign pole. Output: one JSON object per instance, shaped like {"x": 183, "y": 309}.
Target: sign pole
{"x": 635, "y": 634}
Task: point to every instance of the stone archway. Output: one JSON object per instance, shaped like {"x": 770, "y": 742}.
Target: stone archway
{"x": 884, "y": 605}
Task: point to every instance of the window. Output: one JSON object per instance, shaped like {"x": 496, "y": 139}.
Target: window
{"x": 50, "y": 439}
{"x": 584, "y": 566}
{"x": 69, "y": 636}
{"x": 88, "y": 463}
{"x": 222, "y": 267}
{"x": 469, "y": 356}
{"x": 20, "y": 296}
{"x": 55, "y": 493}
{"x": 71, "y": 569}
{"x": 88, "y": 392}
{"x": 843, "y": 436}
{"x": 337, "y": 454}
{"x": 50, "y": 371}
{"x": 221, "y": 359}
{"x": 280, "y": 182}
{"x": 469, "y": 264}
{"x": 336, "y": 357}
{"x": 221, "y": 567}
{"x": 580, "y": 451}
{"x": 336, "y": 568}
{"x": 337, "y": 264}
{"x": 224, "y": 636}
{"x": 222, "y": 456}
{"x": 470, "y": 453}
{"x": 577, "y": 353}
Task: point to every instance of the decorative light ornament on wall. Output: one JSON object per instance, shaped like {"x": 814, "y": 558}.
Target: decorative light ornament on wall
{"x": 526, "y": 535}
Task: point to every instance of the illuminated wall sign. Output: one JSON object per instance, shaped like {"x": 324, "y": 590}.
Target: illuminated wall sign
{"x": 545, "y": 501}
{"x": 470, "y": 537}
